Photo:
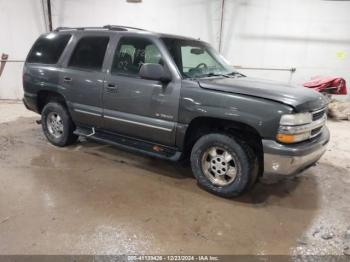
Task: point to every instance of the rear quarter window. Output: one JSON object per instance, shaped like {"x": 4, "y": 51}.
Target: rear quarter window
{"x": 48, "y": 49}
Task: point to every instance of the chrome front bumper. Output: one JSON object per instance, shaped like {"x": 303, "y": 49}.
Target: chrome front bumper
{"x": 292, "y": 159}
{"x": 289, "y": 165}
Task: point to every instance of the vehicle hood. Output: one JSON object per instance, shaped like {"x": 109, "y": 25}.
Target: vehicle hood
{"x": 301, "y": 98}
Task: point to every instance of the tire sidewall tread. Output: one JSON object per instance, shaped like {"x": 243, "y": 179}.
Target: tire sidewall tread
{"x": 246, "y": 162}
{"x": 68, "y": 127}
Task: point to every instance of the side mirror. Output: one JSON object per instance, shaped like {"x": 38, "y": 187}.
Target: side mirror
{"x": 154, "y": 72}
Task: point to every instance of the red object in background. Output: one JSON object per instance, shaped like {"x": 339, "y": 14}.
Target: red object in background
{"x": 329, "y": 85}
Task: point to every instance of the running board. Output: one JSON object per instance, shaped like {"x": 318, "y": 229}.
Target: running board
{"x": 131, "y": 144}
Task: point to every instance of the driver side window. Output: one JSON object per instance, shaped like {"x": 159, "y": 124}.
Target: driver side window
{"x": 132, "y": 53}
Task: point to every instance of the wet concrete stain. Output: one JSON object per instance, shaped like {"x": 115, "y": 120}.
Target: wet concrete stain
{"x": 91, "y": 198}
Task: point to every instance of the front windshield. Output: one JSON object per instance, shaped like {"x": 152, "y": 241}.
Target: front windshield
{"x": 197, "y": 59}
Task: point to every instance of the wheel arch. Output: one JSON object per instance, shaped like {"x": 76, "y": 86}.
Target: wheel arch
{"x": 46, "y": 96}
{"x": 200, "y": 126}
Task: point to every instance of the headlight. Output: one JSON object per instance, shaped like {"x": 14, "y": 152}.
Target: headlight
{"x": 296, "y": 119}
{"x": 295, "y": 128}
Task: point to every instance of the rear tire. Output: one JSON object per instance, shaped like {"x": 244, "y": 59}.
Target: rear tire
{"x": 57, "y": 125}
{"x": 224, "y": 165}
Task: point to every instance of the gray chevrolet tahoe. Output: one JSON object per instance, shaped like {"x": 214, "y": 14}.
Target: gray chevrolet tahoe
{"x": 174, "y": 98}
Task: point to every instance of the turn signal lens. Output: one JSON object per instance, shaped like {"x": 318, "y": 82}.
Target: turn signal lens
{"x": 285, "y": 138}
{"x": 288, "y": 138}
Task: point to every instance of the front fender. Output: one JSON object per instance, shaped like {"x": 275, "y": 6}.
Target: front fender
{"x": 261, "y": 114}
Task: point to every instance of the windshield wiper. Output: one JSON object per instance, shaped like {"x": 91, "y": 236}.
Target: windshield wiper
{"x": 229, "y": 75}
{"x": 213, "y": 74}
{"x": 234, "y": 73}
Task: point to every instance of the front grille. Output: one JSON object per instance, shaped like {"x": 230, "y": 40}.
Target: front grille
{"x": 318, "y": 114}
{"x": 316, "y": 131}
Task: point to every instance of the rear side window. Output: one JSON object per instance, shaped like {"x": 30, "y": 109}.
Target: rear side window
{"x": 89, "y": 53}
{"x": 48, "y": 49}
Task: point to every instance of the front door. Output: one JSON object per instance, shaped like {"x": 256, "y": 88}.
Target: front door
{"x": 136, "y": 107}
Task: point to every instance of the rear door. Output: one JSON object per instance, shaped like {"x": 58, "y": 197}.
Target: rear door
{"x": 82, "y": 77}
{"x": 146, "y": 109}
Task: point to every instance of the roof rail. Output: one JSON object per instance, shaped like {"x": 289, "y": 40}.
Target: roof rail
{"x": 106, "y": 27}
{"x": 121, "y": 28}
{"x": 60, "y": 28}
{"x": 78, "y": 28}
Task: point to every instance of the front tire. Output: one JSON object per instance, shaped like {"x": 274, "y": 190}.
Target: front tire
{"x": 57, "y": 125}
{"x": 224, "y": 165}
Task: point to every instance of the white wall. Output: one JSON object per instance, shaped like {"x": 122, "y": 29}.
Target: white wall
{"x": 311, "y": 35}
{"x": 21, "y": 21}
{"x": 196, "y": 18}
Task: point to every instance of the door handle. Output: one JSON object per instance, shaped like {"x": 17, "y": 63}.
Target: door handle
{"x": 111, "y": 88}
{"x": 67, "y": 79}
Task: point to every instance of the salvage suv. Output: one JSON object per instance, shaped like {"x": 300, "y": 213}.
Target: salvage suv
{"x": 174, "y": 98}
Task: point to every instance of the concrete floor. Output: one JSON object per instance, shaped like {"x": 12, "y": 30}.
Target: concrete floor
{"x": 94, "y": 199}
